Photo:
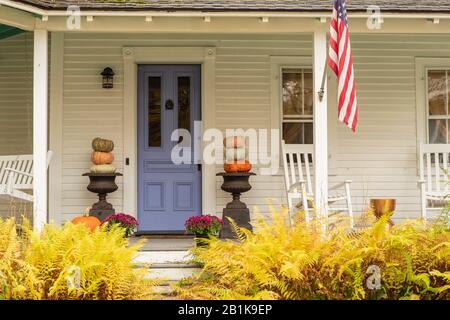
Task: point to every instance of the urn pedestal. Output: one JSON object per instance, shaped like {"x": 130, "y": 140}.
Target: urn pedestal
{"x": 102, "y": 184}
{"x": 236, "y": 184}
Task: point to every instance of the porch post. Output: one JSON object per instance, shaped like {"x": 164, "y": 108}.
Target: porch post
{"x": 320, "y": 123}
{"x": 40, "y": 127}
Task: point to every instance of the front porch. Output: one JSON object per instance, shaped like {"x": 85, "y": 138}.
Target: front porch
{"x": 71, "y": 108}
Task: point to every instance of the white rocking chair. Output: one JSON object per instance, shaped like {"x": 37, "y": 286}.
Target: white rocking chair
{"x": 298, "y": 166}
{"x": 16, "y": 175}
{"x": 434, "y": 180}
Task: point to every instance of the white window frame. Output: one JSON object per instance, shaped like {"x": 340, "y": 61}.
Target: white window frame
{"x": 277, "y": 64}
{"x": 422, "y": 65}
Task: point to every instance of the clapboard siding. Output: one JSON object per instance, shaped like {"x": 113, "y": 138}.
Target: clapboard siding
{"x": 380, "y": 158}
{"x": 242, "y": 98}
{"x": 16, "y": 94}
{"x": 16, "y": 107}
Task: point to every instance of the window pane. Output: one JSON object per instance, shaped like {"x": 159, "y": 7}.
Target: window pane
{"x": 436, "y": 93}
{"x": 437, "y": 131}
{"x": 298, "y": 133}
{"x": 184, "y": 103}
{"x": 308, "y": 130}
{"x": 292, "y": 92}
{"x": 154, "y": 111}
{"x": 448, "y": 132}
{"x": 308, "y": 85}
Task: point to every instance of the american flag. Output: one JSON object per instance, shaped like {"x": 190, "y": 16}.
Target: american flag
{"x": 341, "y": 62}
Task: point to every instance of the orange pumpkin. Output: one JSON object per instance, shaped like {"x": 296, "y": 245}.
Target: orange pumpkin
{"x": 98, "y": 157}
{"x": 232, "y": 167}
{"x": 89, "y": 222}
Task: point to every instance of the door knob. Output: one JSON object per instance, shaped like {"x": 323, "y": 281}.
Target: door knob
{"x": 169, "y": 104}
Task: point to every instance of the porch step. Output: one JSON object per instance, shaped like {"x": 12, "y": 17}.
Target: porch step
{"x": 169, "y": 266}
{"x": 173, "y": 273}
{"x": 168, "y": 259}
{"x": 165, "y": 243}
{"x": 161, "y": 257}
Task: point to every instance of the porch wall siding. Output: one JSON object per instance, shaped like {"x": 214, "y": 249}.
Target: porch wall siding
{"x": 16, "y": 108}
{"x": 242, "y": 99}
{"x": 380, "y": 158}
{"x": 16, "y": 94}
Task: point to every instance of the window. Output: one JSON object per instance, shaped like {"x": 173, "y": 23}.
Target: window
{"x": 154, "y": 111}
{"x": 297, "y": 105}
{"x": 292, "y": 100}
{"x": 438, "y": 114}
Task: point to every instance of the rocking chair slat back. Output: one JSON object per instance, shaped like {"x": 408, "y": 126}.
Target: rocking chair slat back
{"x": 433, "y": 167}
{"x": 298, "y": 159}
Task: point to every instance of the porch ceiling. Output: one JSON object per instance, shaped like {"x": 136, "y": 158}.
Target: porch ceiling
{"x": 8, "y": 31}
{"x": 244, "y": 5}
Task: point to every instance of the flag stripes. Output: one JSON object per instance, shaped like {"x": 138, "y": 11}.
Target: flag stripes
{"x": 340, "y": 60}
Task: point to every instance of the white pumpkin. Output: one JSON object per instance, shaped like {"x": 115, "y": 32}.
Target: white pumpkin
{"x": 103, "y": 168}
{"x": 234, "y": 142}
{"x": 235, "y": 154}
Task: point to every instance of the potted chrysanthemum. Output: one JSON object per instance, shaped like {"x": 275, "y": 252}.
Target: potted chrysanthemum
{"x": 125, "y": 221}
{"x": 203, "y": 226}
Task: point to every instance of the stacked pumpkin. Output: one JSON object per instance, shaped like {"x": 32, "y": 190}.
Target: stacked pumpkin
{"x": 102, "y": 156}
{"x": 235, "y": 155}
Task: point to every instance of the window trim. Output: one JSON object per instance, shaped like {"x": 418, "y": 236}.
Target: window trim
{"x": 422, "y": 65}
{"x": 276, "y": 111}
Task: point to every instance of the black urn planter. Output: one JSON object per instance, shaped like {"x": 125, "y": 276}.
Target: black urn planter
{"x": 102, "y": 184}
{"x": 236, "y": 184}
{"x": 200, "y": 240}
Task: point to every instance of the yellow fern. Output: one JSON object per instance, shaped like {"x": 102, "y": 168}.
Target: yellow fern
{"x": 281, "y": 260}
{"x": 69, "y": 262}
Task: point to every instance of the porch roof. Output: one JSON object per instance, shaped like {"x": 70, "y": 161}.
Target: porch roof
{"x": 399, "y": 6}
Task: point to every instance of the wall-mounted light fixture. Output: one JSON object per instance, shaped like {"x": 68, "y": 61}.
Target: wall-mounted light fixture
{"x": 108, "y": 78}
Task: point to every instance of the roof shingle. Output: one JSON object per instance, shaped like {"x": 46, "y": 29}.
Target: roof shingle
{"x": 244, "y": 5}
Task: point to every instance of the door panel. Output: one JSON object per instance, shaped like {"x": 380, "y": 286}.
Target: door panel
{"x": 168, "y": 194}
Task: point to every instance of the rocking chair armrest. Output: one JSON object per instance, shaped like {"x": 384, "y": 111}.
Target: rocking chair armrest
{"x": 341, "y": 184}
{"x": 19, "y": 172}
{"x": 296, "y": 185}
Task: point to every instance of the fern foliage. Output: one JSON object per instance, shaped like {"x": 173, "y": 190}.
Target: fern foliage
{"x": 69, "y": 262}
{"x": 284, "y": 261}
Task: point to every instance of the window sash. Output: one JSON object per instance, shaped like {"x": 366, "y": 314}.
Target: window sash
{"x": 429, "y": 117}
{"x": 296, "y": 118}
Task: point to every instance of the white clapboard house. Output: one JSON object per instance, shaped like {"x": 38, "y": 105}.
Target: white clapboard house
{"x": 231, "y": 64}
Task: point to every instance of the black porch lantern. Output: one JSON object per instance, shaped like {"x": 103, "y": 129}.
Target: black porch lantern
{"x": 108, "y": 77}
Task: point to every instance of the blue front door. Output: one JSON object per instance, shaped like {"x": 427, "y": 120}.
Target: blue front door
{"x": 168, "y": 194}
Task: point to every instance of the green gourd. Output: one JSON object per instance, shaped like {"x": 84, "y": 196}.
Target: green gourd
{"x": 103, "y": 145}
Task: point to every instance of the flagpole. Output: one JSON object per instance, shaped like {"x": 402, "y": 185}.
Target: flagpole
{"x": 321, "y": 91}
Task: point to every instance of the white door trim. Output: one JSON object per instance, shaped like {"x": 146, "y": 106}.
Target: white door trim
{"x": 132, "y": 56}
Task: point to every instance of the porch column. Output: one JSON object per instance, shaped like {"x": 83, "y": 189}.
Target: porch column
{"x": 40, "y": 127}
{"x": 320, "y": 123}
